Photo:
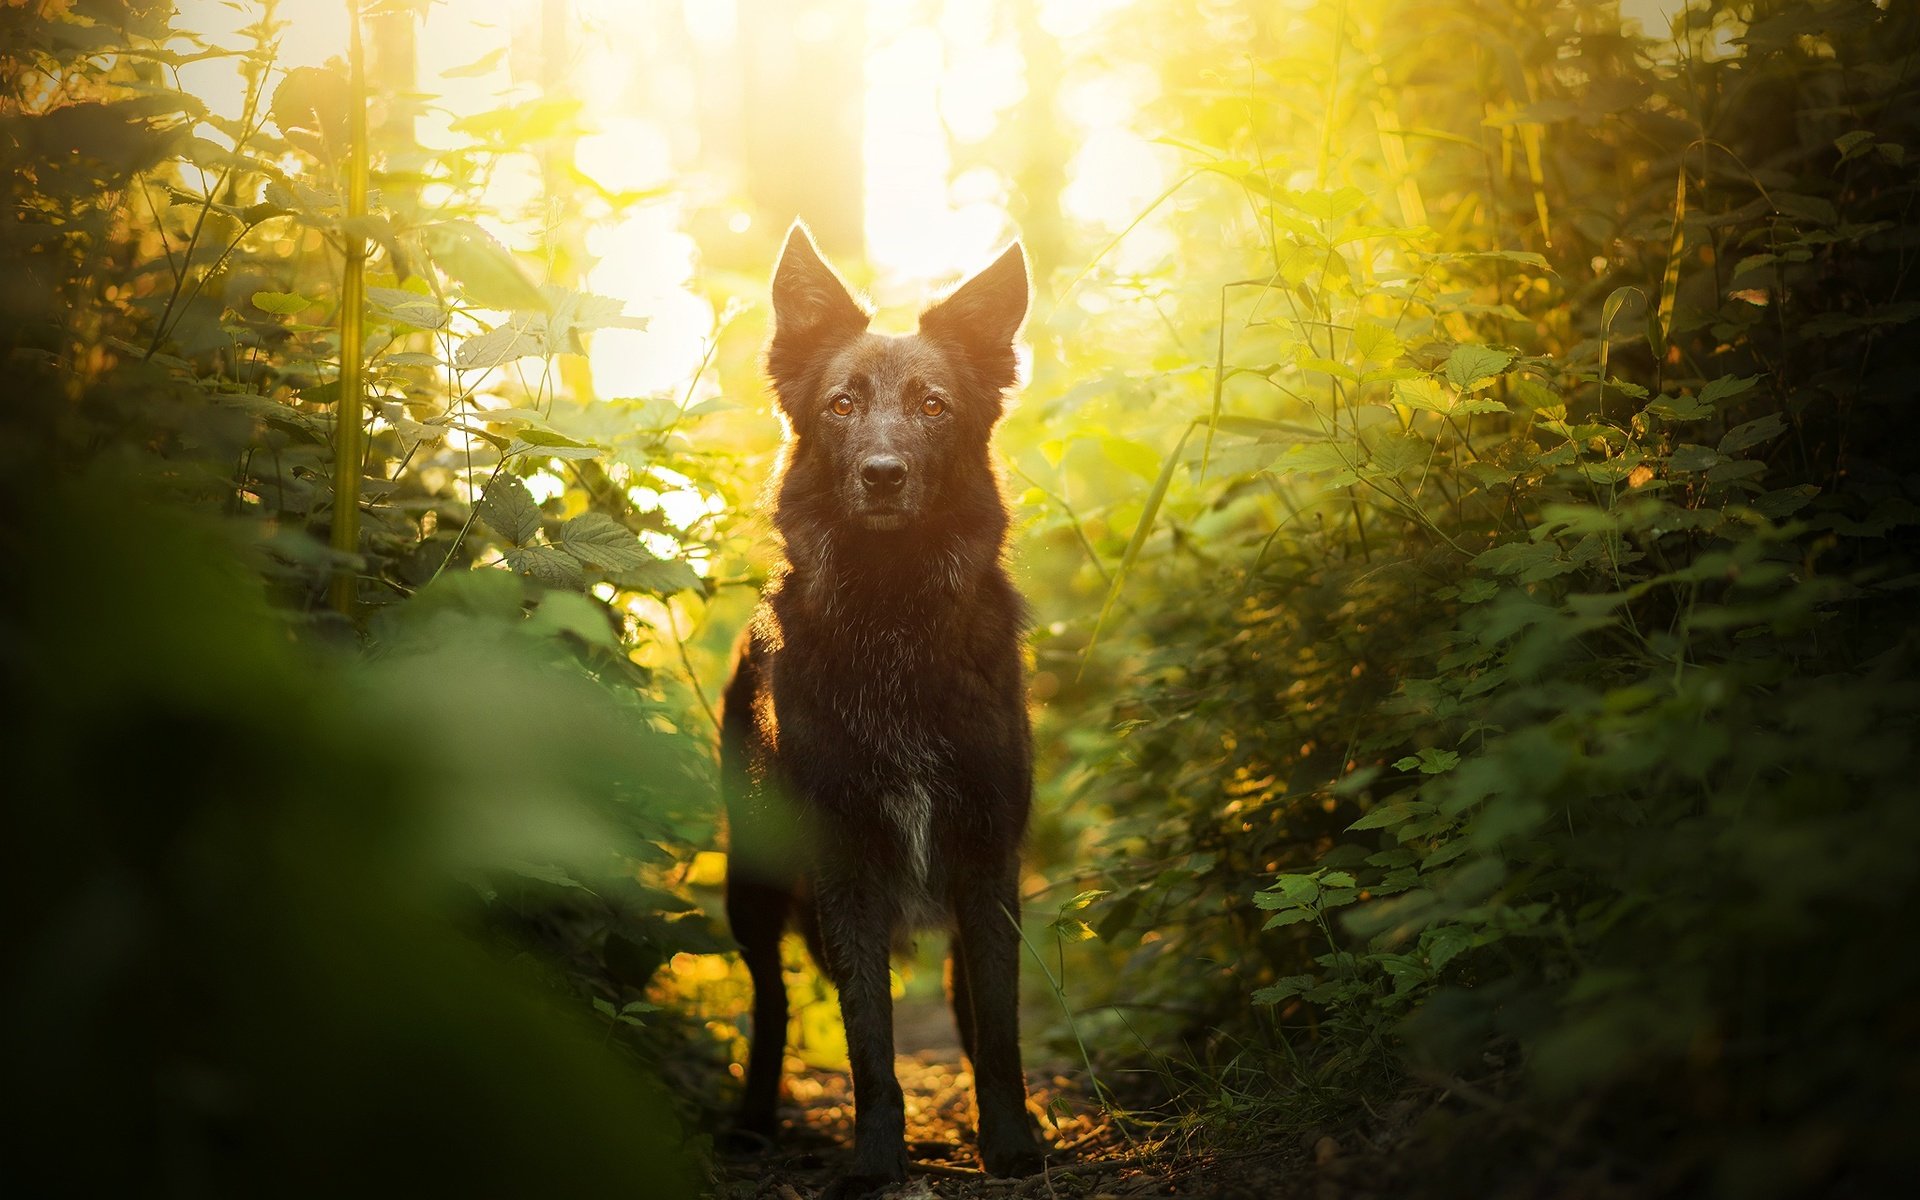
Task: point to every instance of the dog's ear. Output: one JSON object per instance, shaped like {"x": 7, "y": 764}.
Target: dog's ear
{"x": 808, "y": 298}
{"x": 983, "y": 314}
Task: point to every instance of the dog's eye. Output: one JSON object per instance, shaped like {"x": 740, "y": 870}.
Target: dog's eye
{"x": 933, "y": 406}
{"x": 841, "y": 405}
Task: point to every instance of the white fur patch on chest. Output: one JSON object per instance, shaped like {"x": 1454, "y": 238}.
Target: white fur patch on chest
{"x": 911, "y": 811}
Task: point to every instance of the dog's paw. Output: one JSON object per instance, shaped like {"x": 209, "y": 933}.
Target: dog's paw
{"x": 1012, "y": 1157}
{"x": 860, "y": 1187}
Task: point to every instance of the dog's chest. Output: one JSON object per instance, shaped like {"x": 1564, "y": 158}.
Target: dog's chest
{"x": 884, "y": 693}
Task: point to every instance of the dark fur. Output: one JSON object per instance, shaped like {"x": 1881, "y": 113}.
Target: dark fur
{"x": 875, "y": 747}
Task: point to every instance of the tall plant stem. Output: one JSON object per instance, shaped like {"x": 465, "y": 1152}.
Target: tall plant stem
{"x": 347, "y": 451}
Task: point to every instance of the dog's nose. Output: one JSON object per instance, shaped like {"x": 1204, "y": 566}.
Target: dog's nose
{"x": 883, "y": 473}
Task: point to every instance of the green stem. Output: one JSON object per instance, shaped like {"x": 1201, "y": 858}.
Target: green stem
{"x": 347, "y": 414}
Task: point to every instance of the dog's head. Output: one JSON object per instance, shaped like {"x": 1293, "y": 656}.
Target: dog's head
{"x": 885, "y": 426}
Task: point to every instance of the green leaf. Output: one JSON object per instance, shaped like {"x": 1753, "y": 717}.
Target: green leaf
{"x": 1742, "y": 437}
{"x": 1680, "y": 408}
{"x": 1423, "y": 395}
{"x": 402, "y": 307}
{"x": 1429, "y": 761}
{"x": 509, "y": 510}
{"x": 1470, "y": 367}
{"x": 1389, "y": 815}
{"x": 1301, "y": 889}
{"x": 1853, "y": 144}
{"x": 1284, "y": 989}
{"x": 482, "y": 267}
{"x": 575, "y": 614}
{"x": 1693, "y": 458}
{"x": 283, "y": 304}
{"x": 502, "y": 344}
{"x": 662, "y": 576}
{"x": 1082, "y": 900}
{"x": 1727, "y": 387}
{"x": 1327, "y": 366}
{"x": 1326, "y": 206}
{"x": 548, "y": 564}
{"x": 534, "y": 435}
{"x": 1291, "y": 916}
{"x": 1073, "y": 929}
{"x": 1375, "y": 342}
{"x": 1615, "y": 301}
{"x": 599, "y": 540}
{"x": 1511, "y": 558}
{"x": 1132, "y": 456}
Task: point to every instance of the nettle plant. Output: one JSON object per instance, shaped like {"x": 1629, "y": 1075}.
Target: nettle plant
{"x": 1553, "y": 676}
{"x": 374, "y": 392}
{"x": 294, "y": 284}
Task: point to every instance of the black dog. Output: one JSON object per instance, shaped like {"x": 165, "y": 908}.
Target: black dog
{"x": 875, "y": 748}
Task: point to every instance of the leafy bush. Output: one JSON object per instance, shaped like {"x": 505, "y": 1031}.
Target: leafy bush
{"x": 1546, "y": 716}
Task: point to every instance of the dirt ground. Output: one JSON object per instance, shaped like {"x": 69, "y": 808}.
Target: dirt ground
{"x": 1093, "y": 1156}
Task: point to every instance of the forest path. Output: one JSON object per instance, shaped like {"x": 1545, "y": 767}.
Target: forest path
{"x": 1092, "y": 1155}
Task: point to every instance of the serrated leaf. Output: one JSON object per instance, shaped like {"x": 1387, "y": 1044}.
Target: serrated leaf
{"x": 662, "y": 577}
{"x": 509, "y": 510}
{"x": 1693, "y": 458}
{"x": 1680, "y": 408}
{"x": 1291, "y": 916}
{"x": 573, "y": 452}
{"x": 1386, "y": 816}
{"x": 1429, "y": 761}
{"x": 1853, "y": 143}
{"x": 1726, "y": 387}
{"x": 502, "y": 344}
{"x": 548, "y": 564}
{"x": 403, "y": 307}
{"x": 1742, "y": 437}
{"x": 1326, "y": 206}
{"x": 1470, "y": 366}
{"x": 1073, "y": 929}
{"x": 1082, "y": 900}
{"x": 1478, "y": 405}
{"x": 1327, "y": 366}
{"x": 600, "y": 541}
{"x": 1510, "y": 558}
{"x": 1285, "y": 988}
{"x": 482, "y": 267}
{"x": 1423, "y": 395}
{"x": 283, "y": 304}
{"x": 1375, "y": 342}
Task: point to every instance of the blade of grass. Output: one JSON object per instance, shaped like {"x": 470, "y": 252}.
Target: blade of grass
{"x": 1662, "y": 323}
{"x": 1140, "y": 532}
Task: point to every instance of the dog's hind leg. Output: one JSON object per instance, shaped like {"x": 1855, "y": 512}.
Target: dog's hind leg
{"x": 986, "y": 905}
{"x": 758, "y": 914}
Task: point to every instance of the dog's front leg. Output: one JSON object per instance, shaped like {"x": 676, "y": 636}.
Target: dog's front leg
{"x": 856, "y": 932}
{"x": 986, "y": 906}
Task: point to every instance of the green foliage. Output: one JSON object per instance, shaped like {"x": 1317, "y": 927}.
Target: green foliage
{"x": 311, "y": 903}
{"x": 1545, "y": 717}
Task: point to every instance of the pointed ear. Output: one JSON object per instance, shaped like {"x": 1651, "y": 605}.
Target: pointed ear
{"x": 983, "y": 314}
{"x": 808, "y": 298}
